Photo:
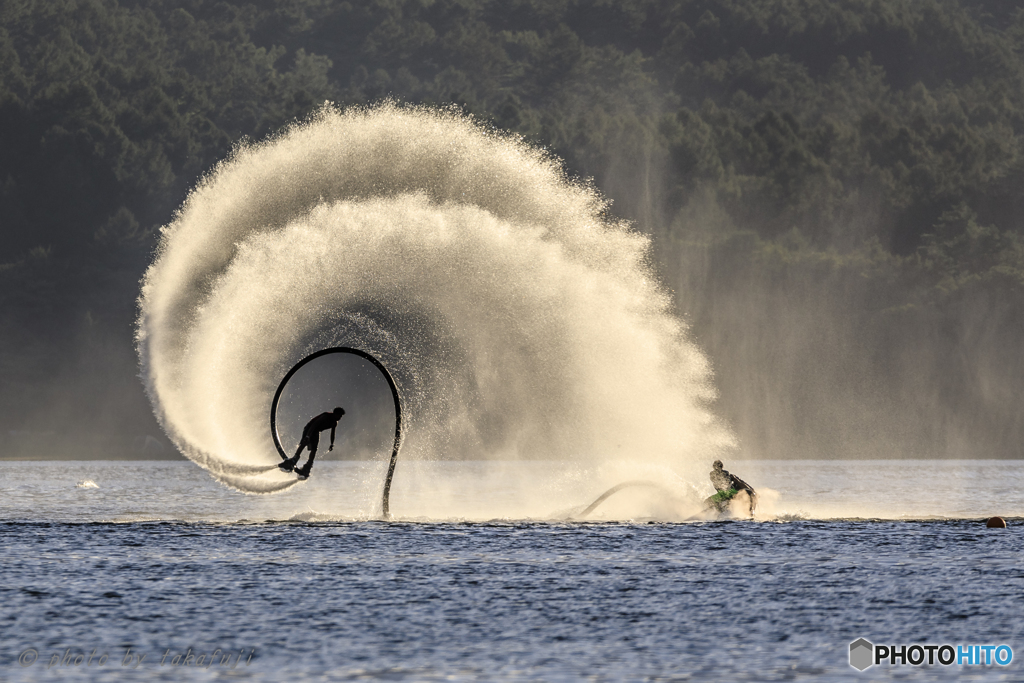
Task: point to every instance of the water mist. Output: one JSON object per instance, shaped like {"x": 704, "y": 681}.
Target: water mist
{"x": 520, "y": 321}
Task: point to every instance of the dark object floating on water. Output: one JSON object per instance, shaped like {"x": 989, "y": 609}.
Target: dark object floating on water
{"x": 385, "y": 508}
{"x": 995, "y": 523}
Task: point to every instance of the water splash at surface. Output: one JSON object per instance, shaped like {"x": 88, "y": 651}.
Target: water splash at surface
{"x": 518, "y": 319}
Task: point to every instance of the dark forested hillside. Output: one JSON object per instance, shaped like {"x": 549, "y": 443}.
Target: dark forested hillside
{"x": 833, "y": 189}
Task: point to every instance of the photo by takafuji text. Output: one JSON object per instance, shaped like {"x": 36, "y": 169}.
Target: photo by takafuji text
{"x": 133, "y": 659}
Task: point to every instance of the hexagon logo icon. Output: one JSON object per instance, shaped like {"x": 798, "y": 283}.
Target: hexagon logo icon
{"x": 861, "y": 654}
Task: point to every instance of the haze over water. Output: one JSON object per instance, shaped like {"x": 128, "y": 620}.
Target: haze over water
{"x": 432, "y": 491}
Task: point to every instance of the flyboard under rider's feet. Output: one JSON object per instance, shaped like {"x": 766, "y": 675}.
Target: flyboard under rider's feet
{"x": 289, "y": 464}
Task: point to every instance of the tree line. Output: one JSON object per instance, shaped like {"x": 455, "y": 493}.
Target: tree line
{"x": 832, "y": 188}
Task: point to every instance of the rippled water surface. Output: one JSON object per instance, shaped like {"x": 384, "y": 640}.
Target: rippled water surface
{"x": 145, "y": 563}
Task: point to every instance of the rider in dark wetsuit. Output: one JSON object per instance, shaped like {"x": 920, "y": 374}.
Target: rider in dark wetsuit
{"x": 729, "y": 485}
{"x": 311, "y": 439}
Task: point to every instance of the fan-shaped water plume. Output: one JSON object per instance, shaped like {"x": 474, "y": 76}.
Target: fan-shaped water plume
{"x": 517, "y": 318}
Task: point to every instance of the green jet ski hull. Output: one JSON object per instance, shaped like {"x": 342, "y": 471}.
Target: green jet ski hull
{"x": 721, "y": 500}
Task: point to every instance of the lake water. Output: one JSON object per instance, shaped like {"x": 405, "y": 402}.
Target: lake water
{"x": 121, "y": 560}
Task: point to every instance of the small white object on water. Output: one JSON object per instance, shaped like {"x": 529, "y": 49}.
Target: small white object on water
{"x": 87, "y": 484}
